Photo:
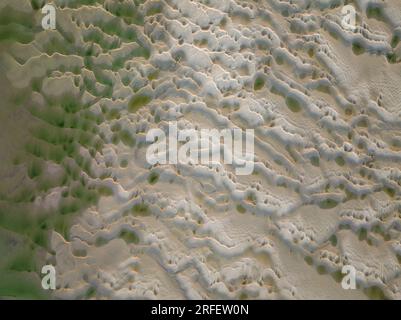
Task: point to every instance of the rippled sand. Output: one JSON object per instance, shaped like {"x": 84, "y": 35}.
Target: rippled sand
{"x": 77, "y": 192}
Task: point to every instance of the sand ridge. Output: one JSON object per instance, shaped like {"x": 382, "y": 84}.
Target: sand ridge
{"x": 323, "y": 102}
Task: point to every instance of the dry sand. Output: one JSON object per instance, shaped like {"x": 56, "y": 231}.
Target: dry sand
{"x": 325, "y": 106}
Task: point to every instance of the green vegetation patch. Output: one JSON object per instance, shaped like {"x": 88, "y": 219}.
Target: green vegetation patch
{"x": 333, "y": 240}
{"x": 138, "y": 101}
{"x": 389, "y": 191}
{"x": 90, "y": 293}
{"x": 308, "y": 260}
{"x": 127, "y": 138}
{"x": 362, "y": 234}
{"x": 21, "y": 285}
{"x": 259, "y": 83}
{"x": 240, "y": 208}
{"x": 321, "y": 270}
{"x": 392, "y": 58}
{"x": 315, "y": 161}
{"x": 129, "y": 236}
{"x": 374, "y": 11}
{"x": 358, "y": 48}
{"x": 140, "y": 209}
{"x": 375, "y": 293}
{"x": 328, "y": 204}
{"x": 340, "y": 161}
{"x": 293, "y": 104}
{"x": 394, "y": 41}
{"x": 153, "y": 177}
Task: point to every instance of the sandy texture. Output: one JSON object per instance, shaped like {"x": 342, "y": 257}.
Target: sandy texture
{"x": 77, "y": 191}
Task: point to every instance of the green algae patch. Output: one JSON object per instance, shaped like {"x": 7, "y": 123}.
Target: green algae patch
{"x": 90, "y": 293}
{"x": 16, "y": 33}
{"x": 112, "y": 114}
{"x": 321, "y": 270}
{"x": 153, "y": 177}
{"x": 35, "y": 169}
{"x": 324, "y": 88}
{"x": 375, "y": 293}
{"x": 389, "y": 191}
{"x": 240, "y": 208}
{"x": 392, "y": 58}
{"x": 333, "y": 34}
{"x": 100, "y": 242}
{"x": 358, "y": 48}
{"x": 333, "y": 240}
{"x": 279, "y": 59}
{"x": 141, "y": 52}
{"x": 37, "y": 4}
{"x": 20, "y": 263}
{"x": 129, "y": 236}
{"x": 308, "y": 260}
{"x": 259, "y": 83}
{"x": 140, "y": 209}
{"x": 54, "y": 133}
{"x": 155, "y": 8}
{"x": 349, "y": 111}
{"x": 153, "y": 75}
{"x": 124, "y": 163}
{"x": 293, "y": 104}
{"x": 328, "y": 204}
{"x": 11, "y": 16}
{"x": 105, "y": 191}
{"x": 21, "y": 285}
{"x": 138, "y": 101}
{"x": 337, "y": 276}
{"x": 340, "y": 161}
{"x": 315, "y": 161}
{"x": 126, "y": 138}
{"x": 394, "y": 41}
{"x": 362, "y": 234}
{"x": 374, "y": 11}
{"x": 243, "y": 296}
{"x": 23, "y": 260}
{"x": 128, "y": 11}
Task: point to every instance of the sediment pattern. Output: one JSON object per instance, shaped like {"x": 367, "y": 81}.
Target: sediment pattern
{"x": 77, "y": 191}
